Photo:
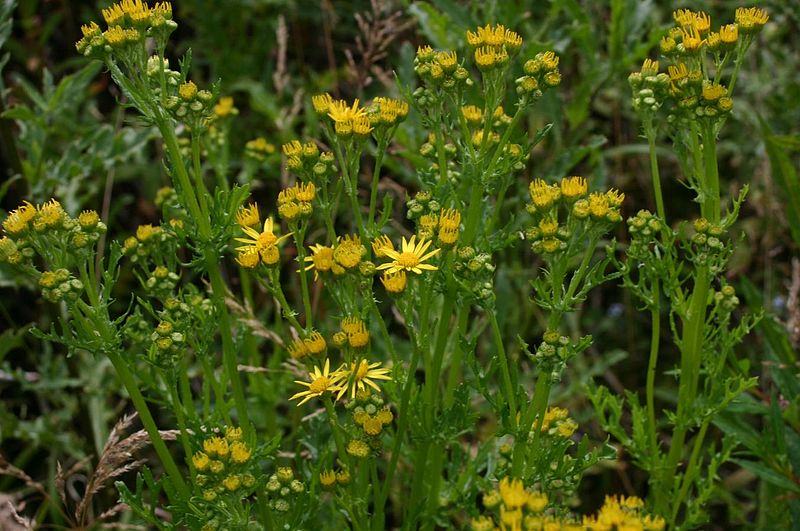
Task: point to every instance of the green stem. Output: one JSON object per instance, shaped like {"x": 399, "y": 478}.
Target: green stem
{"x": 655, "y": 337}
{"x": 383, "y": 144}
{"x": 504, "y": 368}
{"x": 536, "y": 412}
{"x": 301, "y": 255}
{"x": 178, "y": 407}
{"x": 175, "y": 476}
{"x": 654, "y": 172}
{"x": 228, "y": 348}
{"x": 689, "y": 474}
{"x": 184, "y": 183}
{"x": 455, "y": 364}
{"x": 202, "y": 191}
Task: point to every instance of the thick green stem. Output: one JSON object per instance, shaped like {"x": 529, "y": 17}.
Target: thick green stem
{"x": 228, "y": 348}
{"x": 504, "y": 368}
{"x": 654, "y": 172}
{"x": 689, "y": 474}
{"x": 655, "y": 338}
{"x": 175, "y": 476}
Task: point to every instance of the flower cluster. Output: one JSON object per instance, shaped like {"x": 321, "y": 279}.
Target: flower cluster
{"x": 549, "y": 234}
{"x": 349, "y": 120}
{"x": 514, "y": 507}
{"x": 296, "y": 201}
{"x": 355, "y": 377}
{"x": 129, "y": 22}
{"x": 282, "y": 488}
{"x": 224, "y": 466}
{"x": 440, "y": 68}
{"x": 386, "y": 112}
{"x": 492, "y": 45}
{"x": 621, "y": 512}
{"x": 370, "y": 416}
{"x": 329, "y": 478}
{"x": 541, "y": 73}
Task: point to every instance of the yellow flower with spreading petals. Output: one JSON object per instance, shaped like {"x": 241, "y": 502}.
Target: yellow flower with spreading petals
{"x": 321, "y": 259}
{"x": 321, "y": 382}
{"x": 260, "y": 241}
{"x": 412, "y": 257}
{"x": 362, "y": 374}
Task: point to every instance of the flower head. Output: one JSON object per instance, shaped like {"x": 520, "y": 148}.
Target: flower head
{"x": 412, "y": 257}
{"x": 320, "y": 383}
{"x": 321, "y": 259}
{"x": 265, "y": 243}
{"x": 363, "y": 373}
{"x": 18, "y": 219}
{"x": 248, "y": 216}
{"x": 394, "y": 282}
{"x": 513, "y": 493}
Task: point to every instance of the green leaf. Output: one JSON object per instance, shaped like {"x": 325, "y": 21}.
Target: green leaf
{"x": 785, "y": 174}
{"x": 768, "y": 475}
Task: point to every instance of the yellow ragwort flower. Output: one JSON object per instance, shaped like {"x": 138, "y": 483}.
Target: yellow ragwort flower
{"x": 472, "y": 114}
{"x": 575, "y": 187}
{"x": 348, "y": 251}
{"x": 327, "y": 478}
{"x": 322, "y": 103}
{"x": 394, "y": 282}
{"x": 18, "y": 219}
{"x": 380, "y": 244}
{"x": 321, "y": 382}
{"x": 412, "y": 257}
{"x": 362, "y": 374}
{"x": 321, "y": 259}
{"x": 260, "y": 242}
{"x": 544, "y": 195}
{"x": 248, "y": 216}
{"x": 751, "y": 19}
{"x": 513, "y": 493}
{"x": 449, "y": 224}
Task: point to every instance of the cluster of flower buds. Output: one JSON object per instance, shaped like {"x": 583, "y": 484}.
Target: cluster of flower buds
{"x": 541, "y": 73}
{"x": 296, "y": 201}
{"x": 644, "y": 228}
{"x": 370, "y": 415}
{"x": 192, "y": 106}
{"x": 349, "y": 120}
{"x": 161, "y": 281}
{"x": 726, "y": 298}
{"x": 649, "y": 87}
{"x": 258, "y": 149}
{"x": 492, "y": 46}
{"x": 386, "y": 112}
{"x": 60, "y": 285}
{"x": 439, "y": 69}
{"x": 283, "y": 488}
{"x": 328, "y": 479}
{"x": 516, "y": 508}
{"x": 313, "y": 344}
{"x": 353, "y": 333}
{"x": 708, "y": 247}
{"x": 129, "y": 23}
{"x": 695, "y": 96}
{"x": 224, "y": 465}
{"x": 168, "y": 345}
{"x": 475, "y": 271}
{"x": 149, "y": 241}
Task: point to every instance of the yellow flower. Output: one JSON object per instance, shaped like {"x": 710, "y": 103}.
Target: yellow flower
{"x": 232, "y": 482}
{"x": 327, "y": 478}
{"x": 472, "y": 114}
{"x": 486, "y": 57}
{"x": 449, "y": 223}
{"x": 315, "y": 343}
{"x": 321, "y": 259}
{"x": 248, "y": 259}
{"x": 88, "y": 219}
{"x": 411, "y": 257}
{"x": 240, "y": 453}
{"x": 340, "y": 112}
{"x": 49, "y": 214}
{"x": 297, "y": 350}
{"x": 713, "y": 91}
{"x": 187, "y": 90}
{"x": 362, "y": 374}
{"x": 358, "y": 336}
{"x": 649, "y": 68}
{"x": 248, "y": 216}
{"x": 260, "y": 241}
{"x": 233, "y": 433}
{"x": 349, "y": 251}
{"x": 385, "y": 416}
{"x": 292, "y": 149}
{"x": 537, "y": 501}
{"x": 544, "y": 195}
{"x": 321, "y": 382}
{"x": 394, "y": 282}
{"x": 751, "y": 19}
{"x": 225, "y": 107}
{"x": 513, "y": 493}
{"x": 447, "y": 60}
{"x": 145, "y": 232}
{"x": 306, "y": 192}
{"x": 360, "y": 126}
{"x": 372, "y": 426}
{"x": 691, "y": 39}
{"x": 18, "y": 219}
{"x": 322, "y": 103}
{"x": 351, "y": 324}
{"x": 575, "y": 187}
{"x": 729, "y": 34}
{"x": 357, "y": 448}
{"x": 380, "y": 244}
{"x": 200, "y": 461}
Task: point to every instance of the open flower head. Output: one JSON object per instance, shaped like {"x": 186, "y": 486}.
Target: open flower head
{"x": 321, "y": 259}
{"x": 321, "y": 382}
{"x": 363, "y": 374}
{"x": 411, "y": 257}
{"x": 264, "y": 243}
